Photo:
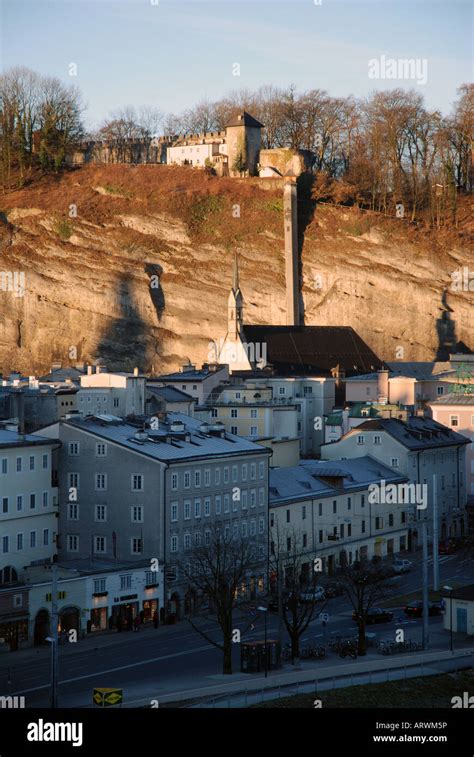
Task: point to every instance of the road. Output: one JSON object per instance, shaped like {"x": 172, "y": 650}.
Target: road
{"x": 155, "y": 662}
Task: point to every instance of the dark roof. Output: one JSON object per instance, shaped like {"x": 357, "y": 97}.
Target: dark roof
{"x": 169, "y": 393}
{"x": 415, "y": 433}
{"x": 244, "y": 119}
{"x": 62, "y": 374}
{"x": 465, "y": 592}
{"x": 314, "y": 349}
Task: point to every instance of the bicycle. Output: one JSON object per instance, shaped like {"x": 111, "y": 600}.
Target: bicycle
{"x": 348, "y": 649}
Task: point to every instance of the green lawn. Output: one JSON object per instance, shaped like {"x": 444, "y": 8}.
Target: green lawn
{"x": 430, "y": 691}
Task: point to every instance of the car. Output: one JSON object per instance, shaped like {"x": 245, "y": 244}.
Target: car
{"x": 334, "y": 589}
{"x": 402, "y": 566}
{"x": 374, "y": 615}
{"x": 313, "y": 595}
{"x": 415, "y": 609}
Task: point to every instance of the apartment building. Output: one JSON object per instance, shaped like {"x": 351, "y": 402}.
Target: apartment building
{"x": 325, "y": 509}
{"x": 130, "y": 493}
{"x": 119, "y": 393}
{"x": 427, "y": 453}
{"x": 197, "y": 382}
{"x": 456, "y": 411}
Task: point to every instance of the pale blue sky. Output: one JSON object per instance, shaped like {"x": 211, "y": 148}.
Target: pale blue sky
{"x": 173, "y": 54}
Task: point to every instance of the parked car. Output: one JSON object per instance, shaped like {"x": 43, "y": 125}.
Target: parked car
{"x": 402, "y": 566}
{"x": 415, "y": 609}
{"x": 313, "y": 595}
{"x": 374, "y": 615}
{"x": 333, "y": 589}
{"x": 448, "y": 547}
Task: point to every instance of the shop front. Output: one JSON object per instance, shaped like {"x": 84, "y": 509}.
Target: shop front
{"x": 150, "y": 606}
{"x": 13, "y": 632}
{"x": 124, "y": 613}
{"x": 98, "y": 619}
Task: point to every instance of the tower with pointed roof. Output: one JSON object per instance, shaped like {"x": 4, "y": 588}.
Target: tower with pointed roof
{"x": 235, "y": 304}
{"x": 243, "y": 139}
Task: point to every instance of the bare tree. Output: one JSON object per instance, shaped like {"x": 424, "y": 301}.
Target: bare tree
{"x": 216, "y": 572}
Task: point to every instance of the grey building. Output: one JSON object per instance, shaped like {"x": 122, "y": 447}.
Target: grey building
{"x": 127, "y": 493}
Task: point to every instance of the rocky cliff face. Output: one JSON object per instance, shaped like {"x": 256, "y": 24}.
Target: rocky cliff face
{"x": 133, "y": 265}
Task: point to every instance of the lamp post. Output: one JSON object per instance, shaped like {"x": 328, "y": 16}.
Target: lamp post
{"x": 449, "y": 589}
{"x": 265, "y": 611}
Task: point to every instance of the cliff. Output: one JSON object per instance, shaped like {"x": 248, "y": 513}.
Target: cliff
{"x": 133, "y": 264}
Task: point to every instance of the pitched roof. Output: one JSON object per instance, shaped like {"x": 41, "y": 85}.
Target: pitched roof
{"x": 169, "y": 393}
{"x": 314, "y": 349}
{"x": 421, "y": 370}
{"x": 415, "y": 433}
{"x": 454, "y": 398}
{"x": 244, "y": 119}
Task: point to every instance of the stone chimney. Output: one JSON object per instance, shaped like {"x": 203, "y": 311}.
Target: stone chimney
{"x": 382, "y": 385}
{"x": 291, "y": 250}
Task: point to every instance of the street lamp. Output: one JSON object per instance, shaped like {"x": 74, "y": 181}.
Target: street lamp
{"x": 449, "y": 589}
{"x": 54, "y": 670}
{"x": 265, "y": 611}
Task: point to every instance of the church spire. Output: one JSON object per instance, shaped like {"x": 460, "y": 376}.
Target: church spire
{"x": 235, "y": 303}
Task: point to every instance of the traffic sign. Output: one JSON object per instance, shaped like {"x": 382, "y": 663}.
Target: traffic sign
{"x": 324, "y": 617}
{"x": 107, "y": 697}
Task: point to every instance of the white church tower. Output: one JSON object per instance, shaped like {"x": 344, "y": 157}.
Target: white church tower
{"x": 233, "y": 350}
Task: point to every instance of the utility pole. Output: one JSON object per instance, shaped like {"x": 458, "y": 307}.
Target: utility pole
{"x": 435, "y": 536}
{"x": 54, "y": 638}
{"x": 425, "y": 585}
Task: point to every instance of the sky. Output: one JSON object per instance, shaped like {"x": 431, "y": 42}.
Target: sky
{"x": 172, "y": 54}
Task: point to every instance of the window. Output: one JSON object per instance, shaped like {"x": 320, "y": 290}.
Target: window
{"x": 4, "y": 465}
{"x": 307, "y": 390}
{"x": 253, "y": 431}
{"x": 379, "y": 523}
{"x": 439, "y": 390}
{"x": 197, "y": 508}
{"x": 303, "y": 512}
{"x": 360, "y": 439}
{"x": 243, "y": 528}
{"x": 349, "y": 503}
{"x": 281, "y": 390}
{"x": 45, "y": 499}
{"x": 349, "y": 529}
{"x": 341, "y": 530}
{"x": 32, "y": 501}
{"x": 288, "y": 544}
{"x": 100, "y": 544}
{"x": 197, "y": 539}
{"x": 288, "y": 516}
{"x": 320, "y": 537}
{"x": 116, "y": 401}
{"x": 213, "y": 412}
{"x": 99, "y": 585}
{"x": 73, "y": 480}
{"x": 226, "y": 475}
{"x": 226, "y": 503}
{"x": 320, "y": 509}
{"x": 234, "y": 413}
{"x": 187, "y": 479}
{"x": 136, "y": 546}
{"x": 334, "y": 506}
{"x": 377, "y": 439}
{"x": 174, "y": 512}
{"x": 45, "y": 537}
{"x": 100, "y": 450}
{"x": 305, "y": 540}
{"x": 32, "y": 539}
{"x": 454, "y": 420}
{"x": 197, "y": 478}
{"x": 235, "y": 474}
{"x": 217, "y": 476}
{"x": 72, "y": 543}
{"x": 151, "y": 577}
{"x": 254, "y": 413}
{"x": 73, "y": 511}
{"x": 126, "y": 581}
{"x": 187, "y": 509}
{"x": 32, "y": 462}
{"x": 394, "y": 462}
{"x": 19, "y": 542}
{"x": 261, "y": 496}
{"x": 253, "y": 528}
{"x": 4, "y": 504}
{"x": 5, "y": 545}
{"x": 137, "y": 513}
{"x": 253, "y": 497}
{"x": 218, "y": 505}
{"x": 234, "y": 430}
{"x": 390, "y": 520}
{"x": 362, "y": 500}
{"x": 244, "y": 472}
{"x": 207, "y": 507}
{"x": 174, "y": 481}
{"x": 137, "y": 482}
{"x": 45, "y": 462}
{"x": 100, "y": 512}
{"x": 244, "y": 498}
{"x": 253, "y": 471}
{"x": 100, "y": 481}
{"x": 187, "y": 541}
{"x": 19, "y": 463}
{"x": 207, "y": 537}
{"x": 207, "y": 477}
{"x": 73, "y": 448}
